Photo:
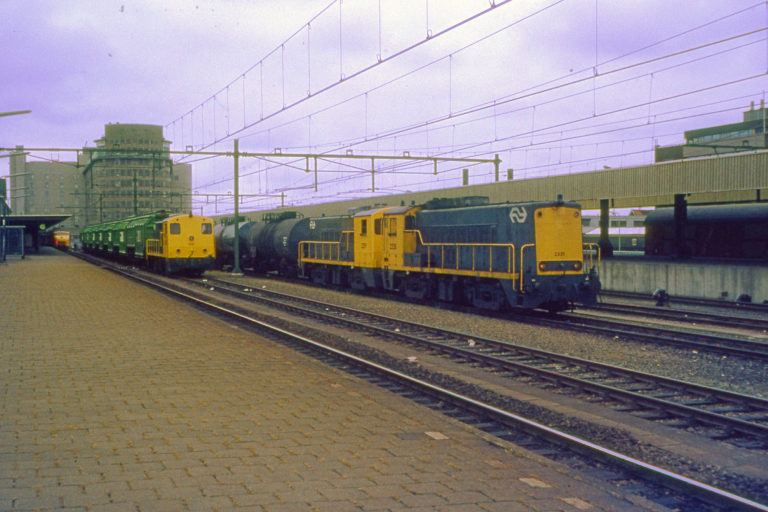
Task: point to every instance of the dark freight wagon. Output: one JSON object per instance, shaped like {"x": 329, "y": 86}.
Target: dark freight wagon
{"x": 738, "y": 231}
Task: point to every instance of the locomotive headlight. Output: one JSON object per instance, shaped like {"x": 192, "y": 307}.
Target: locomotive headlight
{"x": 560, "y": 266}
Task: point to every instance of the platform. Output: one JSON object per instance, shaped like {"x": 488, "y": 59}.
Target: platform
{"x": 118, "y": 398}
{"x": 723, "y": 280}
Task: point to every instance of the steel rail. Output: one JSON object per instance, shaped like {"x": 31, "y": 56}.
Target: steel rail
{"x": 741, "y": 347}
{"x": 693, "y": 301}
{"x": 704, "y": 491}
{"x": 680, "y": 315}
{"x": 706, "y": 396}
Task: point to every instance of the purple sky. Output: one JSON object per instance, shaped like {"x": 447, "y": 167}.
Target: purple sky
{"x": 79, "y": 65}
{"x": 662, "y": 67}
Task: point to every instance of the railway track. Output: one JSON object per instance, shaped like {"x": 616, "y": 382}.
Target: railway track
{"x": 691, "y": 301}
{"x": 654, "y": 483}
{"x": 738, "y": 343}
{"x": 721, "y": 415}
{"x": 651, "y": 332}
{"x": 684, "y": 316}
{"x": 752, "y": 345}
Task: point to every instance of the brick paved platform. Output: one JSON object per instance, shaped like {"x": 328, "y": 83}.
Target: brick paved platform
{"x": 118, "y": 398}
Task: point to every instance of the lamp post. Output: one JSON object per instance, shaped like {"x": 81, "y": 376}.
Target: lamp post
{"x": 236, "y": 267}
{"x": 14, "y": 113}
{"x": 3, "y": 213}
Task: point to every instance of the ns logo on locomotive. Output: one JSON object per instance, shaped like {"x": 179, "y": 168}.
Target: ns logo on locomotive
{"x": 463, "y": 250}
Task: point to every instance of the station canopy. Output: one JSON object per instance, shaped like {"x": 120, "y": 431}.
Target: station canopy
{"x": 33, "y": 223}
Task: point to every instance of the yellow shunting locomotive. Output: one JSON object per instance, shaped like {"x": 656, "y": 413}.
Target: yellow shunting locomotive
{"x": 164, "y": 242}
{"x": 463, "y": 250}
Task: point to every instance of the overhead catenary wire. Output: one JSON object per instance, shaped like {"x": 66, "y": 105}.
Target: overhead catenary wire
{"x": 554, "y": 85}
{"x": 545, "y": 129}
{"x": 537, "y": 95}
{"x": 343, "y": 78}
{"x": 526, "y": 94}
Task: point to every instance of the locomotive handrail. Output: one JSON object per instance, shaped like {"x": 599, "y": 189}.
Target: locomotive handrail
{"x": 588, "y": 248}
{"x": 522, "y": 259}
{"x": 312, "y": 246}
{"x": 154, "y": 247}
{"x": 510, "y": 252}
{"x": 333, "y": 252}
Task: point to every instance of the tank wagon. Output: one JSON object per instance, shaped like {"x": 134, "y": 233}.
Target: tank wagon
{"x": 527, "y": 255}
{"x": 225, "y": 243}
{"x": 164, "y": 242}
{"x": 738, "y": 232}
{"x": 272, "y": 244}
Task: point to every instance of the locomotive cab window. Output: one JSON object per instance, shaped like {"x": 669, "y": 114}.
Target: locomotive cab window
{"x": 393, "y": 227}
{"x": 377, "y": 226}
{"x": 364, "y": 227}
{"x": 207, "y": 228}
{"x": 175, "y": 228}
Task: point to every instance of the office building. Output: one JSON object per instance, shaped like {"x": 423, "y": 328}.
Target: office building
{"x": 129, "y": 172}
{"x": 748, "y": 135}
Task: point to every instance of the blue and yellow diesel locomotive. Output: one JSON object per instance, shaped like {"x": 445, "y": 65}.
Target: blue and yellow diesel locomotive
{"x": 164, "y": 242}
{"x": 527, "y": 255}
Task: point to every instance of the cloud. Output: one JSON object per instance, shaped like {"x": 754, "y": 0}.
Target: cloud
{"x": 127, "y": 60}
{"x": 81, "y": 64}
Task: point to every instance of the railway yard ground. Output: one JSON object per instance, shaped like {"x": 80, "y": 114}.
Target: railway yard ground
{"x": 117, "y": 397}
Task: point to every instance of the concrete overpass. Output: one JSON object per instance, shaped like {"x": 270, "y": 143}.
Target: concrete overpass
{"x": 740, "y": 177}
